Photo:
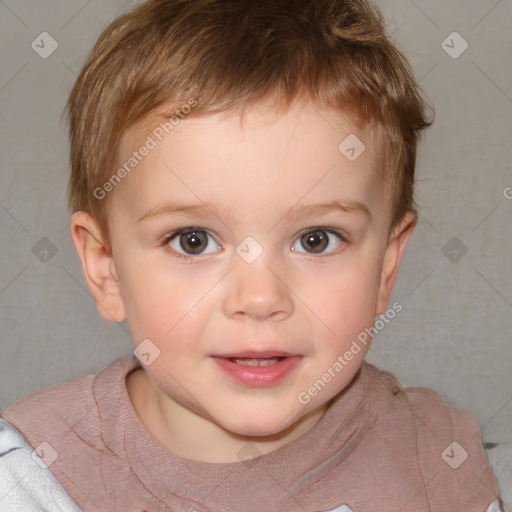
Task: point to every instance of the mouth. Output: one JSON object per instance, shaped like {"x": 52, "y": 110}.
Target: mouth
{"x": 257, "y": 369}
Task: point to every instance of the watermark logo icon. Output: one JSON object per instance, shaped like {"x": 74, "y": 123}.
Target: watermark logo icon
{"x": 454, "y": 249}
{"x": 351, "y": 148}
{"x": 44, "y": 250}
{"x": 146, "y": 352}
{"x": 45, "y": 455}
{"x": 44, "y": 45}
{"x": 454, "y": 45}
{"x": 249, "y": 250}
{"x": 454, "y": 455}
{"x": 248, "y": 453}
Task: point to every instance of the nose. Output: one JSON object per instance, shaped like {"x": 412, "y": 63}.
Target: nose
{"x": 256, "y": 291}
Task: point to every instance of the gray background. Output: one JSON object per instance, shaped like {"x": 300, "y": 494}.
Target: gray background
{"x": 453, "y": 334}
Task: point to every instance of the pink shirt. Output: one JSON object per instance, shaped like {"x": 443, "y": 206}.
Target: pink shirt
{"x": 378, "y": 448}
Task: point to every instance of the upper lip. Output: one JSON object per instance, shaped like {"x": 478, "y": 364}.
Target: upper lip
{"x": 254, "y": 354}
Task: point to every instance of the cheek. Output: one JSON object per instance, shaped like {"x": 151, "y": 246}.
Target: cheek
{"x": 162, "y": 302}
{"x": 343, "y": 298}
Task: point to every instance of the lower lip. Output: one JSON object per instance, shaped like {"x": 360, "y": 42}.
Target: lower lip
{"x": 258, "y": 376}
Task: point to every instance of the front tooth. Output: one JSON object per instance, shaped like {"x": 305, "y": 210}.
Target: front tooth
{"x": 257, "y": 362}
{"x": 247, "y": 362}
{"x": 268, "y": 362}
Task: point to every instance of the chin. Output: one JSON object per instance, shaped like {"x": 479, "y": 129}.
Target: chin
{"x": 256, "y": 431}
{"x": 258, "y": 426}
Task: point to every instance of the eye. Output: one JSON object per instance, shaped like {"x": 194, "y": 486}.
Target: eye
{"x": 192, "y": 241}
{"x": 318, "y": 240}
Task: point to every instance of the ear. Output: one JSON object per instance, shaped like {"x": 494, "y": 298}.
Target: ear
{"x": 396, "y": 246}
{"x": 98, "y": 266}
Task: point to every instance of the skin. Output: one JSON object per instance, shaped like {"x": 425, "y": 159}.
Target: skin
{"x": 253, "y": 176}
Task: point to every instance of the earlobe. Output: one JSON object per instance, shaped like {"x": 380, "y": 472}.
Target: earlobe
{"x": 394, "y": 252}
{"x": 98, "y": 266}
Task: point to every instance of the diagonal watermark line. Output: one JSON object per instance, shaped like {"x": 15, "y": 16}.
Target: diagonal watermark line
{"x": 306, "y": 193}
{"x": 215, "y": 487}
{"x": 204, "y": 204}
{"x": 14, "y": 218}
{"x": 198, "y": 301}
{"x": 424, "y": 14}
{"x": 7, "y": 83}
{"x": 69, "y": 69}
{"x": 492, "y": 81}
{"x": 487, "y": 422}
{"x": 423, "y": 280}
{"x": 275, "y": 429}
{"x": 428, "y": 72}
{"x": 419, "y": 490}
{"x": 428, "y": 222}
{"x": 491, "y": 285}
{"x": 287, "y": 492}
{"x": 192, "y": 397}
{"x": 485, "y": 15}
{"x": 65, "y": 227}
{"x": 13, "y": 279}
{"x": 484, "y": 484}
{"x": 485, "y": 218}
{"x": 89, "y": 293}
{"x": 300, "y": 299}
{"x": 89, "y": 501}
{"x": 322, "y": 117}
{"x": 14, "y": 487}
{"x": 13, "y": 13}
{"x": 74, "y": 16}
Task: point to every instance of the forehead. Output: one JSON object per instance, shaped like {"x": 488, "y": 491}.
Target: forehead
{"x": 267, "y": 159}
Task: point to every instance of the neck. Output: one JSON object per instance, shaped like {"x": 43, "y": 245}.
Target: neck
{"x": 190, "y": 435}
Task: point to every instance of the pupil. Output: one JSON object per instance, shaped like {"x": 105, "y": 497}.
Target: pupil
{"x": 313, "y": 240}
{"x": 193, "y": 241}
{"x": 317, "y": 241}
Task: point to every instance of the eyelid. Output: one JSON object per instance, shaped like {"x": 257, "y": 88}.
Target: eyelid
{"x": 328, "y": 229}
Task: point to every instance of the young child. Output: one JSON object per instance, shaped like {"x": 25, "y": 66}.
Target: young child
{"x": 242, "y": 189}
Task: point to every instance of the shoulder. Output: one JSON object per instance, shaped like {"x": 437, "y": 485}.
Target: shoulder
{"x": 25, "y": 481}
{"x": 449, "y": 446}
{"x": 426, "y": 406}
{"x": 51, "y": 412}
{"x": 76, "y": 428}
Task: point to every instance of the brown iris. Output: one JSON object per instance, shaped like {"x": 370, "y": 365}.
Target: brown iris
{"x": 314, "y": 241}
{"x": 194, "y": 242}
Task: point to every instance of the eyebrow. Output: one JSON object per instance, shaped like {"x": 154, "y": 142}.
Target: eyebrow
{"x": 318, "y": 209}
{"x": 353, "y": 207}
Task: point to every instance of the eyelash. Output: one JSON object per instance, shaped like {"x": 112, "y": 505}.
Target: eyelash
{"x": 189, "y": 258}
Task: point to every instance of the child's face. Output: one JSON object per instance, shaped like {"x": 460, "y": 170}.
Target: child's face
{"x": 245, "y": 191}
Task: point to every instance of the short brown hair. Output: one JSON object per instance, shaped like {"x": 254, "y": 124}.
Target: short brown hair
{"x": 227, "y": 55}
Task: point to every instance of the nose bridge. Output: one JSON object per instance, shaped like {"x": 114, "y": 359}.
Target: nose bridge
{"x": 257, "y": 291}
